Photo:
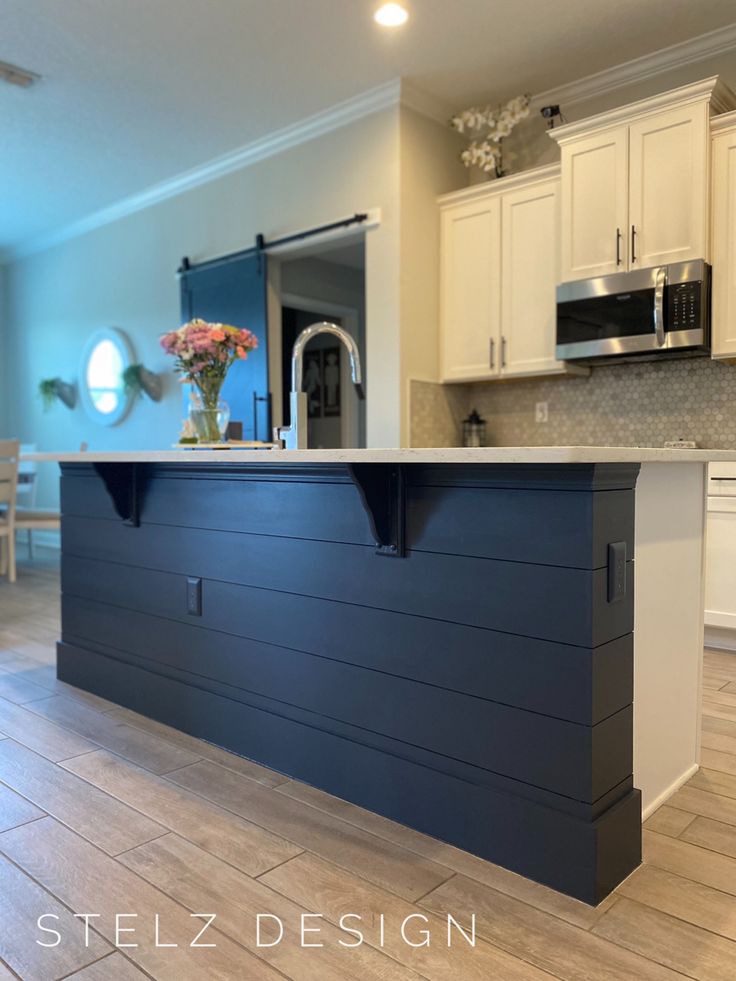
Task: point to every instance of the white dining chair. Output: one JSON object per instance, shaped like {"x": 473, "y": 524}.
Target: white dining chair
{"x": 26, "y": 490}
{"x": 9, "y": 452}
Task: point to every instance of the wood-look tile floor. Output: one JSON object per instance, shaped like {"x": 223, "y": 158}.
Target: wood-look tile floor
{"x": 103, "y": 811}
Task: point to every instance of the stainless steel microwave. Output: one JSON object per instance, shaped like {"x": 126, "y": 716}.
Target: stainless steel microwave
{"x": 645, "y": 313}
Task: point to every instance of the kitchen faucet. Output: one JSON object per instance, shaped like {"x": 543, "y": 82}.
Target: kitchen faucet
{"x": 294, "y": 436}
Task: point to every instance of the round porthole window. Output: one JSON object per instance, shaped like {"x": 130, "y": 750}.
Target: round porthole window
{"x": 106, "y": 356}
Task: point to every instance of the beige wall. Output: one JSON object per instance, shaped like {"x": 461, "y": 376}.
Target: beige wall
{"x": 123, "y": 275}
{"x": 429, "y": 166}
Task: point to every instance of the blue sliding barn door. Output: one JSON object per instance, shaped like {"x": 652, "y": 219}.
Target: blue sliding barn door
{"x": 233, "y": 291}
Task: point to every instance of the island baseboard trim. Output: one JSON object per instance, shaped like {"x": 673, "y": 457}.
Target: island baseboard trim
{"x": 585, "y": 859}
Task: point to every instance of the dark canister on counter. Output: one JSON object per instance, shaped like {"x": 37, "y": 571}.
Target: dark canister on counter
{"x": 474, "y": 430}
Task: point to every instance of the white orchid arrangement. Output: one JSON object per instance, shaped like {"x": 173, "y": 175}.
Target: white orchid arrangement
{"x": 487, "y": 128}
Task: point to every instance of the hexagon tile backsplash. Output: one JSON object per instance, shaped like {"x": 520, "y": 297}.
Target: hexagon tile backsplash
{"x": 640, "y": 404}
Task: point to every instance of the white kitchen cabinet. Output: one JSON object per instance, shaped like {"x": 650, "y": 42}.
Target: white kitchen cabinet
{"x": 720, "y": 556}
{"x": 499, "y": 262}
{"x": 529, "y": 274}
{"x": 471, "y": 289}
{"x": 595, "y": 182}
{"x": 724, "y": 237}
{"x": 668, "y": 187}
{"x": 635, "y": 183}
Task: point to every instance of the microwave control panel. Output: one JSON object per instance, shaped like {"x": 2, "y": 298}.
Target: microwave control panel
{"x": 683, "y": 306}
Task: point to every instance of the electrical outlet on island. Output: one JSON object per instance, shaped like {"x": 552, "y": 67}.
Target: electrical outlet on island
{"x": 541, "y": 413}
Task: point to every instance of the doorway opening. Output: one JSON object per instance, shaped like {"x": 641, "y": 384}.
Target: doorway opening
{"x": 324, "y": 282}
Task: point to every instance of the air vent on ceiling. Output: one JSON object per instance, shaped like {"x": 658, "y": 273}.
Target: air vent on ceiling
{"x": 17, "y": 76}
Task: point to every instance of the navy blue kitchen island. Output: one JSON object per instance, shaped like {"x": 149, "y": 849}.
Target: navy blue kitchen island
{"x": 448, "y": 645}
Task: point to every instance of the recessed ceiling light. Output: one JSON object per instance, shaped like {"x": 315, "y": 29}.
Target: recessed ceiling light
{"x": 391, "y": 15}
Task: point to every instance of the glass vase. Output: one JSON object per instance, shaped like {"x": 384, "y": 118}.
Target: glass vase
{"x": 210, "y": 424}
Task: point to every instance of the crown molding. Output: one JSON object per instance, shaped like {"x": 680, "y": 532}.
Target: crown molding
{"x": 725, "y": 121}
{"x": 707, "y": 90}
{"x": 639, "y": 69}
{"x": 374, "y": 100}
{"x": 500, "y": 185}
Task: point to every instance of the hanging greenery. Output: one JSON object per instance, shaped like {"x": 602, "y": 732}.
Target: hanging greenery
{"x": 51, "y": 389}
{"x": 139, "y": 381}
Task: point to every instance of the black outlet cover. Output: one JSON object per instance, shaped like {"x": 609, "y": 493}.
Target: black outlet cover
{"x": 194, "y": 596}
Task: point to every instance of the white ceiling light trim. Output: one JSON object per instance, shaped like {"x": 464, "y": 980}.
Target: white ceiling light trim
{"x": 391, "y": 15}
{"x": 638, "y": 69}
{"x": 374, "y": 100}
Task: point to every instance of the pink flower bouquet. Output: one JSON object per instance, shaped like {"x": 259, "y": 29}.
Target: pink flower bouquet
{"x": 204, "y": 353}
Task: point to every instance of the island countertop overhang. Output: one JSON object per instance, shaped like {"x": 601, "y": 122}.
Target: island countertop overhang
{"x": 422, "y": 455}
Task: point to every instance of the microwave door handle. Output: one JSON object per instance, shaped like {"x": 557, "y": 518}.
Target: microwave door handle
{"x": 660, "y": 283}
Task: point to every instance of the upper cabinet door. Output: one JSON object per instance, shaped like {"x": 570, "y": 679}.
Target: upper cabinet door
{"x": 724, "y": 244}
{"x": 470, "y": 284}
{"x": 595, "y": 205}
{"x": 668, "y": 187}
{"x": 530, "y": 270}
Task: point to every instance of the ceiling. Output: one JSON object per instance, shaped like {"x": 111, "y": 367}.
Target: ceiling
{"x": 138, "y": 91}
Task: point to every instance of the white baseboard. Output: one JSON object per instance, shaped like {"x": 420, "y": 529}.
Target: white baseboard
{"x": 722, "y": 638}
{"x": 717, "y": 618}
{"x": 669, "y": 791}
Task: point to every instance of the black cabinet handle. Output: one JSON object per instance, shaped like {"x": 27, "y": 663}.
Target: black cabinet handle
{"x": 493, "y": 353}
{"x": 618, "y": 247}
{"x": 633, "y": 243}
{"x": 503, "y": 352}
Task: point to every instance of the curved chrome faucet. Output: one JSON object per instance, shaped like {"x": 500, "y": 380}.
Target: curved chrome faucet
{"x": 294, "y": 436}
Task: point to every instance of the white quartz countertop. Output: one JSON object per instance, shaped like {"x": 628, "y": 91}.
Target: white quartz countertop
{"x": 488, "y": 454}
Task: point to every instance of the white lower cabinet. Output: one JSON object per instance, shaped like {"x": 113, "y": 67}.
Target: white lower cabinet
{"x": 499, "y": 271}
{"x": 720, "y": 563}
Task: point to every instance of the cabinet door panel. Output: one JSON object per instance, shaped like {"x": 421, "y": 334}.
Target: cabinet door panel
{"x": 720, "y": 568}
{"x": 724, "y": 245}
{"x": 594, "y": 205}
{"x": 668, "y": 187}
{"x": 529, "y": 273}
{"x": 471, "y": 272}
